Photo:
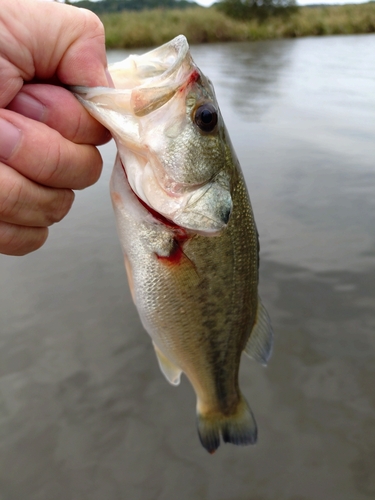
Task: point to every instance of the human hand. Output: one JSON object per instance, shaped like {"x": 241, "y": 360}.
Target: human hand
{"x": 47, "y": 139}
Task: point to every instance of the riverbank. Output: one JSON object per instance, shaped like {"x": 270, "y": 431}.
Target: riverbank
{"x": 154, "y": 27}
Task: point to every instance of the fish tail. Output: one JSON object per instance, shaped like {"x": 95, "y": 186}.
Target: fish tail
{"x": 238, "y": 428}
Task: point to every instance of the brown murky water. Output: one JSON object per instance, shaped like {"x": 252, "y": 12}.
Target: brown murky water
{"x": 85, "y": 413}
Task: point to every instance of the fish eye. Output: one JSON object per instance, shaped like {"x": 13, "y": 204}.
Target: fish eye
{"x": 206, "y": 117}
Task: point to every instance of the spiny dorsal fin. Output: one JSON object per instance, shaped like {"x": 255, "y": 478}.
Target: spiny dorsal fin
{"x": 171, "y": 372}
{"x": 259, "y": 345}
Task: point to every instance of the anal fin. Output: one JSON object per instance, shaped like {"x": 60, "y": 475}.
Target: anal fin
{"x": 259, "y": 345}
{"x": 171, "y": 371}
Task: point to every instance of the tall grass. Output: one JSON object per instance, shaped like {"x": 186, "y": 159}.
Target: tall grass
{"x": 337, "y": 20}
{"x": 154, "y": 27}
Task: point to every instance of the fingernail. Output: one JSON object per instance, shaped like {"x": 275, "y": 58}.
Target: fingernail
{"x": 28, "y": 106}
{"x": 9, "y": 138}
{"x": 109, "y": 79}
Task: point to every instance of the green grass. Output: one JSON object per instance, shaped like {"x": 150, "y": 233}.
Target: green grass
{"x": 154, "y": 27}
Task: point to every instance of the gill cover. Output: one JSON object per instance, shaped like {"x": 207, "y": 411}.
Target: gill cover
{"x": 173, "y": 158}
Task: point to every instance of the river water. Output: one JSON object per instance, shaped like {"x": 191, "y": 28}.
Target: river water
{"x": 85, "y": 413}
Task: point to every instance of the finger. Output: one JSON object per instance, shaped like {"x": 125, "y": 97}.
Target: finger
{"x": 44, "y": 156}
{"x": 60, "y": 110}
{"x": 71, "y": 46}
{"x": 26, "y": 203}
{"x": 19, "y": 240}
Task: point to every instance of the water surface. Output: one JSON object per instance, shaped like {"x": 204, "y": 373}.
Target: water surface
{"x": 84, "y": 410}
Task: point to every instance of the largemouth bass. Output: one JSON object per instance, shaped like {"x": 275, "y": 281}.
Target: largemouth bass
{"x": 187, "y": 231}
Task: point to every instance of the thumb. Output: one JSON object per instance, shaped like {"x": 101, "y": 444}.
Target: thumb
{"x": 71, "y": 46}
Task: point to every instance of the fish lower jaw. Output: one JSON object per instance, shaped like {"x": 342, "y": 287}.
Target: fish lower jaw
{"x": 158, "y": 217}
{"x": 182, "y": 229}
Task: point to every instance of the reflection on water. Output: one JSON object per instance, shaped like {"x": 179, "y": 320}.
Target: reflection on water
{"x": 84, "y": 410}
{"x": 248, "y": 72}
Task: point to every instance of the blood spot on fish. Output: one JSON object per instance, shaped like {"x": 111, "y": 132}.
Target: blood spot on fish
{"x": 176, "y": 255}
{"x": 193, "y": 77}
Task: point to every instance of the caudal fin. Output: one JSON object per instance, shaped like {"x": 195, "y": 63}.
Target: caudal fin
{"x": 239, "y": 428}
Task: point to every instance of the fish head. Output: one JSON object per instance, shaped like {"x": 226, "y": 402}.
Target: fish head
{"x": 165, "y": 119}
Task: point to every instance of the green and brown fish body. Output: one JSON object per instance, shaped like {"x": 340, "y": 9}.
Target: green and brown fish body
{"x": 187, "y": 230}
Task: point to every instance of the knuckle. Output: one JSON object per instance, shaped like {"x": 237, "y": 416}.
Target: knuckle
{"x": 90, "y": 167}
{"x": 61, "y": 206}
{"x": 19, "y": 240}
{"x": 69, "y": 165}
{"x": 77, "y": 127}
{"x": 10, "y": 196}
{"x": 96, "y": 166}
{"x": 51, "y": 164}
{"x": 93, "y": 24}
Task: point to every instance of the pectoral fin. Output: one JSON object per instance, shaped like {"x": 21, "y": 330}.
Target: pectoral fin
{"x": 129, "y": 274}
{"x": 171, "y": 372}
{"x": 259, "y": 345}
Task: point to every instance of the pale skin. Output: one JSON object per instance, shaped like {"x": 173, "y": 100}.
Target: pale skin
{"x": 47, "y": 139}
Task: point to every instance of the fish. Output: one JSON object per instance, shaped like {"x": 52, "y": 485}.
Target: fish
{"x": 187, "y": 231}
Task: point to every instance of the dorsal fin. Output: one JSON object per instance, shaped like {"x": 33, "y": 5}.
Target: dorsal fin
{"x": 171, "y": 372}
{"x": 259, "y": 345}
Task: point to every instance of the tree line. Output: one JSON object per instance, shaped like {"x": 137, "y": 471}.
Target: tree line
{"x": 240, "y": 9}
{"x": 108, "y": 6}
